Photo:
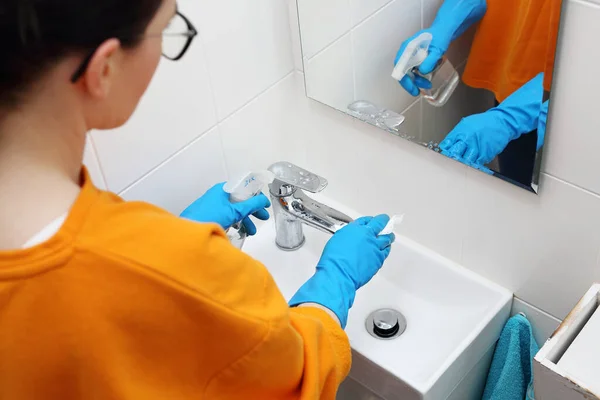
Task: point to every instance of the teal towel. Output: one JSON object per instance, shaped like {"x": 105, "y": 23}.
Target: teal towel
{"x": 511, "y": 372}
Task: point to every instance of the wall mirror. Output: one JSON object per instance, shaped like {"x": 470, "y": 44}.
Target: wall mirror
{"x": 469, "y": 79}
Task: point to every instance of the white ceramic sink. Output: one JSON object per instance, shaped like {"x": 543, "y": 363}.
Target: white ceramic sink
{"x": 454, "y": 316}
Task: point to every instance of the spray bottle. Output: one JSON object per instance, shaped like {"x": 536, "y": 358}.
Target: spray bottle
{"x": 242, "y": 189}
{"x": 444, "y": 78}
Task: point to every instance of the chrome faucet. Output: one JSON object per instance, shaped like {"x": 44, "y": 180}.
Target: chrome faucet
{"x": 293, "y": 208}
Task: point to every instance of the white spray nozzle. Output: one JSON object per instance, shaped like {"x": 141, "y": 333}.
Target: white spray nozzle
{"x": 414, "y": 54}
{"x": 248, "y": 185}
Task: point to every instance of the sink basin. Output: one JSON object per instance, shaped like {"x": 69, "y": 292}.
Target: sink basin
{"x": 454, "y": 316}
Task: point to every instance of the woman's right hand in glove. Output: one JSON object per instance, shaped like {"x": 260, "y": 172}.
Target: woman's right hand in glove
{"x": 350, "y": 260}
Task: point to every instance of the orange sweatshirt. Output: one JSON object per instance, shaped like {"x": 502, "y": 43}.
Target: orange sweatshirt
{"x": 129, "y": 302}
{"x": 515, "y": 41}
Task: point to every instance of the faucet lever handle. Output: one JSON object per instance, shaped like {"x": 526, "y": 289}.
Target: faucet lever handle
{"x": 291, "y": 174}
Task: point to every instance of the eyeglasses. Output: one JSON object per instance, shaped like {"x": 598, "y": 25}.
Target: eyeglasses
{"x": 176, "y": 40}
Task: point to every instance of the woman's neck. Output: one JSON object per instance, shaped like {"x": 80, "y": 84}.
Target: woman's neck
{"x": 41, "y": 152}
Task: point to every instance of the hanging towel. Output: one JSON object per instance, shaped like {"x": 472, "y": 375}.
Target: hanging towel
{"x": 511, "y": 372}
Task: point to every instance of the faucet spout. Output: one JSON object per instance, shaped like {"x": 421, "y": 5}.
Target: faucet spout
{"x": 293, "y": 208}
{"x": 313, "y": 213}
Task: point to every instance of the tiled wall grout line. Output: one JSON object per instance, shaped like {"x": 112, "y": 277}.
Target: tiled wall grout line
{"x": 587, "y": 191}
{"x": 168, "y": 159}
{"x": 252, "y": 100}
{"x": 95, "y": 153}
{"x": 217, "y": 126}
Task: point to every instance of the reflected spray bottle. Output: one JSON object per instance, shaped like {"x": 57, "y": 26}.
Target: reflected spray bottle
{"x": 444, "y": 78}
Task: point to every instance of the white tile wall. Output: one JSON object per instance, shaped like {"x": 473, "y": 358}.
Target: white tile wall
{"x": 295, "y": 34}
{"x": 546, "y": 247}
{"x": 247, "y": 46}
{"x": 263, "y": 131}
{"x": 361, "y": 9}
{"x": 181, "y": 179}
{"x": 322, "y": 22}
{"x": 330, "y": 74}
{"x": 571, "y": 153}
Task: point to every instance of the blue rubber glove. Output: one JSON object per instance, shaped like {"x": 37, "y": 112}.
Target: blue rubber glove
{"x": 350, "y": 259}
{"x": 542, "y": 125}
{"x": 479, "y": 138}
{"x": 453, "y": 18}
{"x": 482, "y": 168}
{"x": 214, "y": 206}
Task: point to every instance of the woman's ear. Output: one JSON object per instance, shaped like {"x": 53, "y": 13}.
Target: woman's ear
{"x": 100, "y": 73}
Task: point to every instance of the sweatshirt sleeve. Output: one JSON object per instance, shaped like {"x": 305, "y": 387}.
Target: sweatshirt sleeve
{"x": 304, "y": 354}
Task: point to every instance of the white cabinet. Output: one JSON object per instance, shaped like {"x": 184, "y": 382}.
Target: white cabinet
{"x": 568, "y": 366}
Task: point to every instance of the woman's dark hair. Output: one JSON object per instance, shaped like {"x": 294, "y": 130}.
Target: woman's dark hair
{"x": 35, "y": 34}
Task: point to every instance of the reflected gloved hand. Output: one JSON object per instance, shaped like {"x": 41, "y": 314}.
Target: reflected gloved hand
{"x": 214, "y": 206}
{"x": 453, "y": 18}
{"x": 479, "y": 138}
{"x": 350, "y": 259}
{"x": 541, "y": 137}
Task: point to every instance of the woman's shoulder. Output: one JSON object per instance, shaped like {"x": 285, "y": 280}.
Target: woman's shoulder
{"x": 195, "y": 256}
{"x": 112, "y": 216}
{"x": 142, "y": 228}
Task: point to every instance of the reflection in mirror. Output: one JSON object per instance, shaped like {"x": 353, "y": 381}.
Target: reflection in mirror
{"x": 469, "y": 79}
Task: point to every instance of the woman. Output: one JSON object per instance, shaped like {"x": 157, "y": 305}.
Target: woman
{"x": 105, "y": 299}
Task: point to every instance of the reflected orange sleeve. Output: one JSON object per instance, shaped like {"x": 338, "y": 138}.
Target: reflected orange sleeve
{"x": 515, "y": 41}
{"x": 130, "y": 302}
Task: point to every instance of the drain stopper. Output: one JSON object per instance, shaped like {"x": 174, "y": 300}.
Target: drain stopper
{"x": 386, "y": 324}
{"x": 386, "y": 327}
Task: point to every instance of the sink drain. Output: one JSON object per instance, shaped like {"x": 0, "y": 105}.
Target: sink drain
{"x": 386, "y": 324}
